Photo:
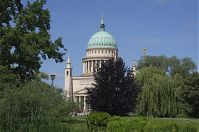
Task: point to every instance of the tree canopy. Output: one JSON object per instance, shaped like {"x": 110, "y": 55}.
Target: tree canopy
{"x": 171, "y": 65}
{"x": 25, "y": 40}
{"x": 114, "y": 90}
{"x": 190, "y": 94}
{"x": 159, "y": 93}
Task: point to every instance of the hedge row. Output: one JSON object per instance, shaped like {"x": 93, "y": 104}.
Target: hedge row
{"x": 97, "y": 121}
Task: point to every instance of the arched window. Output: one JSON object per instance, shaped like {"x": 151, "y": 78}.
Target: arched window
{"x": 66, "y": 73}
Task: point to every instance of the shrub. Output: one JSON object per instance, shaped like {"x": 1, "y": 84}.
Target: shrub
{"x": 34, "y": 106}
{"x": 97, "y": 120}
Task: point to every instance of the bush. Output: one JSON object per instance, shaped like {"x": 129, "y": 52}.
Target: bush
{"x": 97, "y": 120}
{"x": 35, "y": 106}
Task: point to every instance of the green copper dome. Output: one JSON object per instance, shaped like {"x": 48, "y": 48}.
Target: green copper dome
{"x": 102, "y": 39}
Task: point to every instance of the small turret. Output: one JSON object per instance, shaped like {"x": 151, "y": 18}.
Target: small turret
{"x": 68, "y": 65}
{"x": 68, "y": 79}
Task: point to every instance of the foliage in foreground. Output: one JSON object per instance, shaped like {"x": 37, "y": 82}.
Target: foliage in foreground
{"x": 139, "y": 124}
{"x": 34, "y": 106}
{"x": 114, "y": 91}
{"x": 143, "y": 124}
{"x": 97, "y": 120}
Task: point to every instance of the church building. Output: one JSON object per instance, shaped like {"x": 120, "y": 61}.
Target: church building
{"x": 101, "y": 47}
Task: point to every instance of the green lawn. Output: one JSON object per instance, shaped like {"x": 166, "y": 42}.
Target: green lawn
{"x": 126, "y": 124}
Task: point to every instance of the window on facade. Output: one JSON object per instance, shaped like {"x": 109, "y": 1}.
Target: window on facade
{"x": 66, "y": 73}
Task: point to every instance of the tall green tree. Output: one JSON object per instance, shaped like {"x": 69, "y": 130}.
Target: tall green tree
{"x": 190, "y": 95}
{"x": 172, "y": 65}
{"x": 114, "y": 90}
{"x": 25, "y": 40}
{"x": 159, "y": 93}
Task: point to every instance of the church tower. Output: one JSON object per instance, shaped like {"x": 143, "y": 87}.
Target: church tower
{"x": 68, "y": 79}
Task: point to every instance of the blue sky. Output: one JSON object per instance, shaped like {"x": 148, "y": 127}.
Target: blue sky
{"x": 164, "y": 27}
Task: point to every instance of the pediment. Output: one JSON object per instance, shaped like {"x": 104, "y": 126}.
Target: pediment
{"x": 82, "y": 91}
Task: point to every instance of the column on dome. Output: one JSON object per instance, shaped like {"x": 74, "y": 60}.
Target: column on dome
{"x": 95, "y": 65}
{"x": 83, "y": 67}
{"x": 86, "y": 67}
{"x": 91, "y": 66}
{"x": 94, "y": 68}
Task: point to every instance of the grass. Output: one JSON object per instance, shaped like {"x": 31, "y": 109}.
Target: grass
{"x": 78, "y": 124}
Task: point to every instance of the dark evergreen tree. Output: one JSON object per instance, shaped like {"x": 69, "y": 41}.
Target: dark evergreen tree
{"x": 114, "y": 90}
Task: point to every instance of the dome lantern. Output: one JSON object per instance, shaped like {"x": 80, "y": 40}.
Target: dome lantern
{"x": 102, "y": 26}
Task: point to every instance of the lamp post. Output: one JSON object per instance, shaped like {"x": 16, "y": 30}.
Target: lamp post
{"x": 52, "y": 76}
{"x": 144, "y": 50}
{"x": 169, "y": 70}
